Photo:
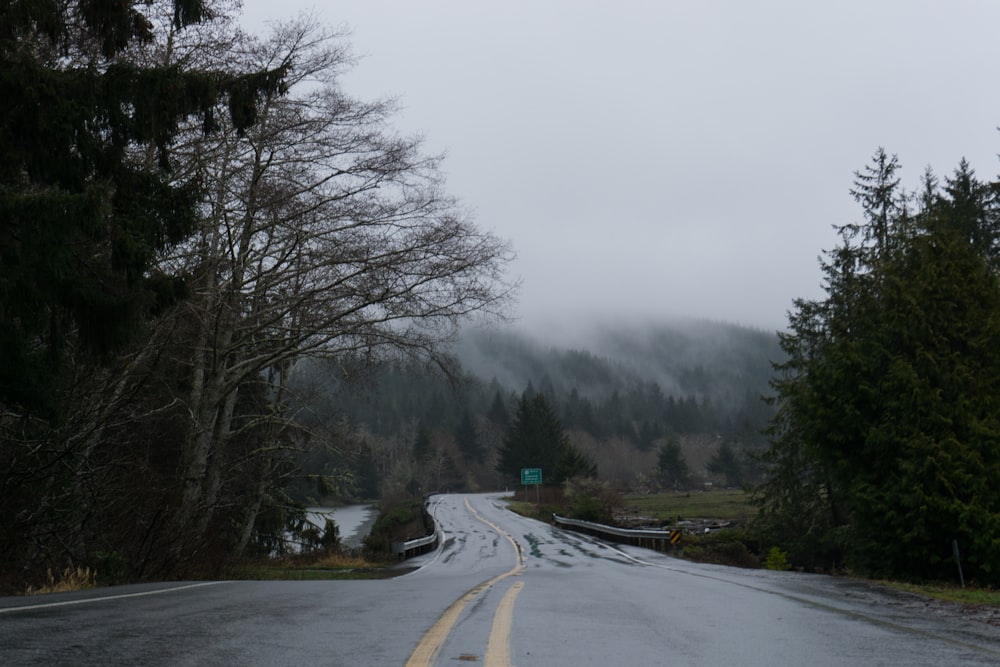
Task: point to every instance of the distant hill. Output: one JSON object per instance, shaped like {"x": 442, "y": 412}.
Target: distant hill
{"x": 619, "y": 391}
{"x": 698, "y": 358}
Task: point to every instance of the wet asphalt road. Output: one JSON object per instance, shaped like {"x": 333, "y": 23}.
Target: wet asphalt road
{"x": 557, "y": 599}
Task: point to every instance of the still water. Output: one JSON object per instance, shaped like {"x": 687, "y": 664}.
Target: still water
{"x": 354, "y": 521}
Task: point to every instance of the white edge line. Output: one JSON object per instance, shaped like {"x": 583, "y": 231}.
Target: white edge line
{"x": 66, "y": 603}
{"x": 440, "y": 546}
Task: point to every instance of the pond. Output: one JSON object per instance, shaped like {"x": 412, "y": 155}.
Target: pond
{"x": 355, "y": 521}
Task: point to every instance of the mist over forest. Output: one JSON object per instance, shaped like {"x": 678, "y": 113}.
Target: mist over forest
{"x": 700, "y": 358}
{"x": 620, "y": 391}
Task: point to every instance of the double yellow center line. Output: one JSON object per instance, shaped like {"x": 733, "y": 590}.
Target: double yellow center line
{"x": 498, "y": 647}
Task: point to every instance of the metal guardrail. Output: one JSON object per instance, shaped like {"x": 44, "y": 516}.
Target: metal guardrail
{"x": 660, "y": 540}
{"x": 411, "y": 548}
{"x": 612, "y": 530}
{"x": 420, "y": 545}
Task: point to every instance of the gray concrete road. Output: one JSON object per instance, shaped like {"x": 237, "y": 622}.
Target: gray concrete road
{"x": 502, "y": 590}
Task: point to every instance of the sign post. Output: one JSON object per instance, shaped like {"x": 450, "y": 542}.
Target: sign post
{"x": 531, "y": 476}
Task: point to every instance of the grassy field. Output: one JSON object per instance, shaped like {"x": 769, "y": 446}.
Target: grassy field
{"x": 722, "y": 504}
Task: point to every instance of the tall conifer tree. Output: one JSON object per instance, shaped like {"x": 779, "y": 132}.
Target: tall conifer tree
{"x": 536, "y": 439}
{"x": 887, "y": 439}
{"x": 81, "y": 214}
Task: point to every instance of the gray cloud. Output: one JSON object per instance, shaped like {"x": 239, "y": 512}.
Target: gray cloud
{"x": 669, "y": 158}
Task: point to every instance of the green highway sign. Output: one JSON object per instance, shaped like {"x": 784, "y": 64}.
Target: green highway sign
{"x": 531, "y": 476}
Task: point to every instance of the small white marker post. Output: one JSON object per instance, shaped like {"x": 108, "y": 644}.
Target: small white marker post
{"x": 958, "y": 562}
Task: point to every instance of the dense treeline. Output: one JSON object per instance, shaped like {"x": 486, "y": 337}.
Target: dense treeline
{"x": 612, "y": 404}
{"x": 673, "y": 391}
{"x": 186, "y": 213}
{"x": 886, "y": 445}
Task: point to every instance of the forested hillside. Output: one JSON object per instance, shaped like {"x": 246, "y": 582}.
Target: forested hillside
{"x": 632, "y": 390}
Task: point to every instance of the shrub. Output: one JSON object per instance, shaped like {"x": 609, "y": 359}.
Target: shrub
{"x": 113, "y": 566}
{"x": 591, "y": 500}
{"x": 777, "y": 560}
{"x": 727, "y": 547}
{"x": 588, "y": 508}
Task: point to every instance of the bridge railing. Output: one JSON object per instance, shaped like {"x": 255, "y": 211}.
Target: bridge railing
{"x": 660, "y": 540}
{"x": 412, "y": 548}
{"x": 420, "y": 545}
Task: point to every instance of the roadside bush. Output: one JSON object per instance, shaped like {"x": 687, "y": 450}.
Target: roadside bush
{"x": 591, "y": 500}
{"x": 588, "y": 508}
{"x": 542, "y": 512}
{"x": 723, "y": 548}
{"x": 777, "y": 560}
{"x": 113, "y": 566}
{"x": 314, "y": 539}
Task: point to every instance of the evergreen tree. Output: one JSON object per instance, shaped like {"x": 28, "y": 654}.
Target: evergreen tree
{"x": 467, "y": 438}
{"x": 648, "y": 432}
{"x": 726, "y": 462}
{"x": 672, "y": 466}
{"x": 931, "y": 449}
{"x": 86, "y": 198}
{"x": 547, "y": 389}
{"x": 498, "y": 411}
{"x": 887, "y": 442}
{"x": 536, "y": 439}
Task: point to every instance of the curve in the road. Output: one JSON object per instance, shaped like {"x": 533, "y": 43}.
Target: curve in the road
{"x": 430, "y": 645}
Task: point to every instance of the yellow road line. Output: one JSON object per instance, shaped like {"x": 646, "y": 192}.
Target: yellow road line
{"x": 498, "y": 648}
{"x": 517, "y": 547}
{"x": 430, "y": 645}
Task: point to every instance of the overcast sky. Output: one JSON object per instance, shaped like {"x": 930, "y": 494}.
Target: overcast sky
{"x": 666, "y": 158}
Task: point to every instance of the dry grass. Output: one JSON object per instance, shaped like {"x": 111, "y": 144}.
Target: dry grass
{"x": 71, "y": 579}
{"x": 346, "y": 564}
{"x": 341, "y": 561}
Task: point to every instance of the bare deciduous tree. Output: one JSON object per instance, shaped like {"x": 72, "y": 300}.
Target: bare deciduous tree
{"x": 323, "y": 234}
